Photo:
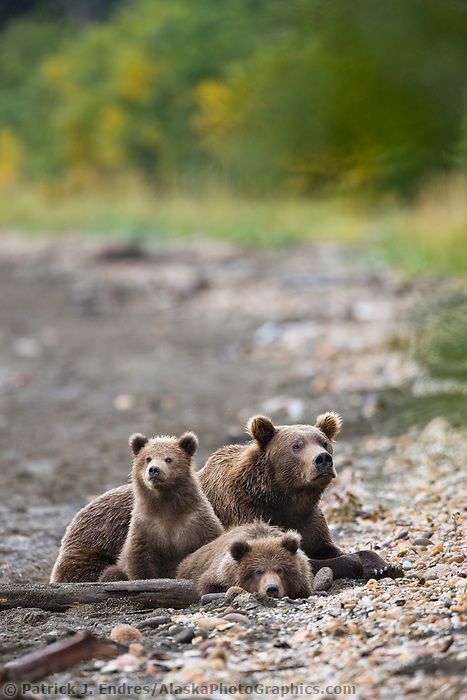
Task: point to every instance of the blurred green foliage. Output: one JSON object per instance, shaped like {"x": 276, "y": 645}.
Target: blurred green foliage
{"x": 260, "y": 95}
{"x": 440, "y": 341}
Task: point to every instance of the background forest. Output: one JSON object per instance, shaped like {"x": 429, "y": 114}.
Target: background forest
{"x": 145, "y": 116}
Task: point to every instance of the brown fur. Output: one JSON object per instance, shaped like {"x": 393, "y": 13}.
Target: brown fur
{"x": 94, "y": 537}
{"x": 257, "y": 557}
{"x": 143, "y": 529}
{"x": 275, "y": 478}
{"x": 263, "y": 480}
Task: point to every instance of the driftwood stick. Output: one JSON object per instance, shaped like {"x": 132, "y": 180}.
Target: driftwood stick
{"x": 56, "y": 597}
{"x": 58, "y": 657}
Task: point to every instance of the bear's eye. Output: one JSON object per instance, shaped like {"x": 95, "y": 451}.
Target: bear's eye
{"x": 259, "y": 572}
{"x": 148, "y": 459}
{"x": 279, "y": 571}
{"x": 168, "y": 460}
{"x": 297, "y": 446}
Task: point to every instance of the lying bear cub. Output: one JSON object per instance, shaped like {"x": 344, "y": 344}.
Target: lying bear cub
{"x": 257, "y": 557}
{"x": 170, "y": 518}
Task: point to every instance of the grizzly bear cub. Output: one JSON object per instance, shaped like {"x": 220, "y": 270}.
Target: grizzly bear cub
{"x": 170, "y": 518}
{"x": 279, "y": 477}
{"x": 256, "y": 557}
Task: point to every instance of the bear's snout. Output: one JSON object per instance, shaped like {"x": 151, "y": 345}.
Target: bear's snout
{"x": 272, "y": 590}
{"x": 155, "y": 474}
{"x": 271, "y": 585}
{"x": 324, "y": 464}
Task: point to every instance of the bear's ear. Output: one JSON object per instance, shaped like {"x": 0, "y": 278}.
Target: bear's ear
{"x": 137, "y": 441}
{"x": 238, "y": 549}
{"x": 188, "y": 442}
{"x": 291, "y": 542}
{"x": 329, "y": 423}
{"x": 261, "y": 429}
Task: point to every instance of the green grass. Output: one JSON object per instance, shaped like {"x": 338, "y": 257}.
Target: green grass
{"x": 141, "y": 214}
{"x": 429, "y": 236}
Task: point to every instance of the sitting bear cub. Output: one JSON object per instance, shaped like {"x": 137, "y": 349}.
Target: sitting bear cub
{"x": 170, "y": 517}
{"x": 256, "y": 557}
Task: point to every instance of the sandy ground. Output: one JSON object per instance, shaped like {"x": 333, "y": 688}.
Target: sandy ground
{"x": 97, "y": 342}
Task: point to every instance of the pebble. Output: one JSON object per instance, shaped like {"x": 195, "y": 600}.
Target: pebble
{"x": 422, "y": 542}
{"x": 437, "y": 548}
{"x": 237, "y": 617}
{"x": 136, "y": 648}
{"x": 233, "y": 591}
{"x": 154, "y": 621}
{"x": 124, "y": 662}
{"x": 209, "y": 597}
{"x": 206, "y": 623}
{"x": 407, "y": 565}
{"x": 323, "y": 579}
{"x": 125, "y": 633}
{"x": 186, "y": 636}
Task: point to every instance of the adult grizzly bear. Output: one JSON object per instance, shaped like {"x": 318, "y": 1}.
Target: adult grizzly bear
{"x": 258, "y": 557}
{"x": 279, "y": 477}
{"x": 146, "y": 527}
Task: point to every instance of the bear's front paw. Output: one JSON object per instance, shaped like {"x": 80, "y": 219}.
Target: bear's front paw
{"x": 375, "y": 567}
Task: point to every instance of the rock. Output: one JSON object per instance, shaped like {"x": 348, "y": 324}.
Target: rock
{"x": 439, "y": 570}
{"x": 246, "y": 599}
{"x": 229, "y": 609}
{"x": 125, "y": 663}
{"x": 237, "y": 617}
{"x": 186, "y": 635}
{"x": 155, "y": 621}
{"x": 209, "y": 597}
{"x": 207, "y": 623}
{"x": 457, "y": 558}
{"x": 437, "y": 548}
{"x": 407, "y": 565}
{"x": 233, "y": 591}
{"x": 136, "y": 648}
{"x": 323, "y": 579}
{"x": 422, "y": 542}
{"x": 125, "y": 633}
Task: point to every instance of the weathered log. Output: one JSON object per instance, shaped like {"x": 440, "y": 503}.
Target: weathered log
{"x": 58, "y": 656}
{"x": 56, "y": 597}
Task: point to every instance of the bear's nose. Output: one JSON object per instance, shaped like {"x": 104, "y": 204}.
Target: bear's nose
{"x": 154, "y": 472}
{"x": 272, "y": 590}
{"x": 323, "y": 461}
